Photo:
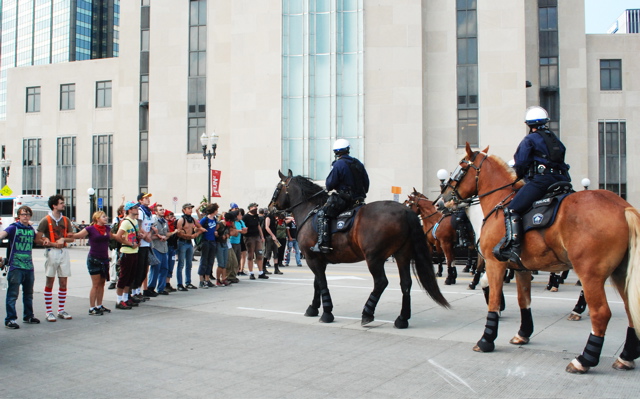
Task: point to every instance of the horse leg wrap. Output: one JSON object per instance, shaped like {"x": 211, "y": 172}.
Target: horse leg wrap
{"x": 326, "y": 299}
{"x": 370, "y": 306}
{"x": 526, "y": 323}
{"x": 631, "y": 349}
{"x": 591, "y": 355}
{"x": 490, "y": 332}
{"x": 581, "y": 305}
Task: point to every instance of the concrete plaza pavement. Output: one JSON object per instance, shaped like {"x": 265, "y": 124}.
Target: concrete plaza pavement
{"x": 251, "y": 340}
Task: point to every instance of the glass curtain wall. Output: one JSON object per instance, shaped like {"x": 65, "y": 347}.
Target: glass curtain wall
{"x": 322, "y": 82}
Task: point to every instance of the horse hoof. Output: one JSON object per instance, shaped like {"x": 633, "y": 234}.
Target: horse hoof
{"x": 573, "y": 316}
{"x": 311, "y": 312}
{"x": 401, "y": 323}
{"x": 471, "y": 287}
{"x": 366, "y": 319}
{"x": 518, "y": 340}
{"x": 438, "y": 274}
{"x": 466, "y": 269}
{"x": 507, "y": 280}
{"x": 554, "y": 289}
{"x": 326, "y": 317}
{"x": 484, "y": 346}
{"x": 576, "y": 368}
{"x": 623, "y": 365}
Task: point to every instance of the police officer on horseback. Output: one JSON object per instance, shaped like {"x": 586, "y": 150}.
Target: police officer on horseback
{"x": 539, "y": 160}
{"x": 350, "y": 181}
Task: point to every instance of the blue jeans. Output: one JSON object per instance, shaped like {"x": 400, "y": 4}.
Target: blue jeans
{"x": 158, "y": 273}
{"x": 171, "y": 255}
{"x": 185, "y": 258}
{"x": 15, "y": 278}
{"x": 292, "y": 244}
{"x": 222, "y": 256}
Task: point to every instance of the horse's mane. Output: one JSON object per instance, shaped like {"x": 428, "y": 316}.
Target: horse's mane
{"x": 507, "y": 169}
{"x": 308, "y": 188}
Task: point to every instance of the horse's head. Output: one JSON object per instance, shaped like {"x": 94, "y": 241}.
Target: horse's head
{"x": 280, "y": 198}
{"x": 463, "y": 182}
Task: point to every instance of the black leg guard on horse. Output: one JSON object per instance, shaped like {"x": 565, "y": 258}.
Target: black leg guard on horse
{"x": 591, "y": 355}
{"x": 452, "y": 274}
{"x": 486, "y": 343}
{"x": 581, "y": 305}
{"x": 526, "y": 323}
{"x": 369, "y": 309}
{"x": 631, "y": 349}
{"x": 327, "y": 306}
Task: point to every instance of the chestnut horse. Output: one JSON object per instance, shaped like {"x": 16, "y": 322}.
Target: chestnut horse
{"x": 445, "y": 239}
{"x": 596, "y": 233}
{"x": 380, "y": 229}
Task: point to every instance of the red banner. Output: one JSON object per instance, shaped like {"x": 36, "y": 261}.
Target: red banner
{"x": 215, "y": 183}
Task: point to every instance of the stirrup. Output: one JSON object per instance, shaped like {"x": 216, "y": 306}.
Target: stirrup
{"x": 320, "y": 248}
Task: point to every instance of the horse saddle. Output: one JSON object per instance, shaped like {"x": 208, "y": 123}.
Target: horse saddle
{"x": 543, "y": 212}
{"x": 343, "y": 222}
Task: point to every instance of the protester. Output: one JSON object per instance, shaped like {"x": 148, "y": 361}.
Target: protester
{"x": 209, "y": 245}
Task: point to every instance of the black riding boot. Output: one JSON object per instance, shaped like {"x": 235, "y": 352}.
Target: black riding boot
{"x": 324, "y": 239}
{"x": 508, "y": 249}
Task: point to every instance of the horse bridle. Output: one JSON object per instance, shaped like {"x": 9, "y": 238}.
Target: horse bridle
{"x": 285, "y": 184}
{"x": 459, "y": 173}
{"x": 413, "y": 201}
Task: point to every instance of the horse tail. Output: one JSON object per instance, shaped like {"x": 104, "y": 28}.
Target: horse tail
{"x": 423, "y": 266}
{"x": 632, "y": 286}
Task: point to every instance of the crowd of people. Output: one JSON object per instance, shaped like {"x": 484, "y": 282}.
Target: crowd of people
{"x": 138, "y": 250}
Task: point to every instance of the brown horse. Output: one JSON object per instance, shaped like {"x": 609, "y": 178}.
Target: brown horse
{"x": 445, "y": 238}
{"x": 596, "y": 233}
{"x": 380, "y": 229}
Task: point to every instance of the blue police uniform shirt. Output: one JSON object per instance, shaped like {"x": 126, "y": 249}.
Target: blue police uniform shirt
{"x": 341, "y": 179}
{"x": 525, "y": 155}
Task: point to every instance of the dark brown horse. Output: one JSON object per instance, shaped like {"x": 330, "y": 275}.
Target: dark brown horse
{"x": 596, "y": 233}
{"x": 380, "y": 229}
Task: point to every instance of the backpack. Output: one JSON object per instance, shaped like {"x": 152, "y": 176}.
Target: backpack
{"x": 115, "y": 244}
{"x": 554, "y": 145}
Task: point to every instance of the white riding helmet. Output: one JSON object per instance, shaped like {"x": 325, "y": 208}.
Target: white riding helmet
{"x": 536, "y": 116}
{"x": 341, "y": 145}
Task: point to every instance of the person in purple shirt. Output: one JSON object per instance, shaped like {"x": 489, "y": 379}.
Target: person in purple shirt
{"x": 99, "y": 233}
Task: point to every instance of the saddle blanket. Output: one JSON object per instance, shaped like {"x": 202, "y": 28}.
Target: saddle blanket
{"x": 542, "y": 213}
{"x": 342, "y": 223}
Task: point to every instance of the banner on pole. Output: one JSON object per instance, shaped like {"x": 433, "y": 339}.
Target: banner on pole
{"x": 215, "y": 183}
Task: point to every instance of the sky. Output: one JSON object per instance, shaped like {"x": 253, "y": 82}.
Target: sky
{"x": 601, "y": 14}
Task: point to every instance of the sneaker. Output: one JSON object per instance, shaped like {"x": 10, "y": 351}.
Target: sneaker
{"x": 234, "y": 280}
{"x": 122, "y": 305}
{"x": 95, "y": 312}
{"x": 210, "y": 284}
{"x": 191, "y": 286}
{"x": 103, "y": 309}
{"x": 278, "y": 272}
{"x": 219, "y": 284}
{"x": 202, "y": 285}
{"x": 112, "y": 286}
{"x": 285, "y": 264}
{"x": 131, "y": 302}
{"x": 64, "y": 315}
{"x": 31, "y": 320}
{"x": 181, "y": 288}
{"x": 169, "y": 288}
{"x": 51, "y": 317}
{"x": 12, "y": 324}
{"x": 266, "y": 272}
{"x": 300, "y": 265}
{"x": 150, "y": 293}
{"x": 252, "y": 277}
{"x": 134, "y": 299}
{"x": 263, "y": 276}
{"x": 242, "y": 274}
{"x": 163, "y": 292}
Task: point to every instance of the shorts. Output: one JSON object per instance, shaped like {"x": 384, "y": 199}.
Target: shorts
{"x": 243, "y": 247}
{"x": 57, "y": 262}
{"x": 128, "y": 265}
{"x": 254, "y": 247}
{"x": 98, "y": 266}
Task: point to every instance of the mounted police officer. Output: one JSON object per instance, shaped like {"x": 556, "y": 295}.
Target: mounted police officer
{"x": 539, "y": 160}
{"x": 350, "y": 181}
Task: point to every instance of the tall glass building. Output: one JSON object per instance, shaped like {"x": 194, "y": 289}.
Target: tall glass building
{"x": 36, "y": 32}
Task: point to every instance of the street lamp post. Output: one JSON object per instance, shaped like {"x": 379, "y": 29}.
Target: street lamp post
{"x": 5, "y": 165}
{"x": 211, "y": 142}
{"x": 586, "y": 183}
{"x": 91, "y": 191}
{"x": 442, "y": 176}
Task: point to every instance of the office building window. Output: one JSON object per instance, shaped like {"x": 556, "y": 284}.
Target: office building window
{"x": 103, "y": 94}
{"x": 467, "y": 72}
{"x": 322, "y": 82}
{"x": 197, "y": 86}
{"x": 610, "y": 74}
{"x": 33, "y": 99}
{"x": 31, "y": 167}
{"x": 67, "y": 96}
{"x": 102, "y": 170}
{"x": 549, "y": 60}
{"x": 66, "y": 172}
{"x": 612, "y": 156}
{"x": 197, "y": 126}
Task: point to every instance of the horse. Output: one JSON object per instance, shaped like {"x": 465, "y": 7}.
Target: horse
{"x": 380, "y": 229}
{"x": 596, "y": 233}
{"x": 444, "y": 240}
